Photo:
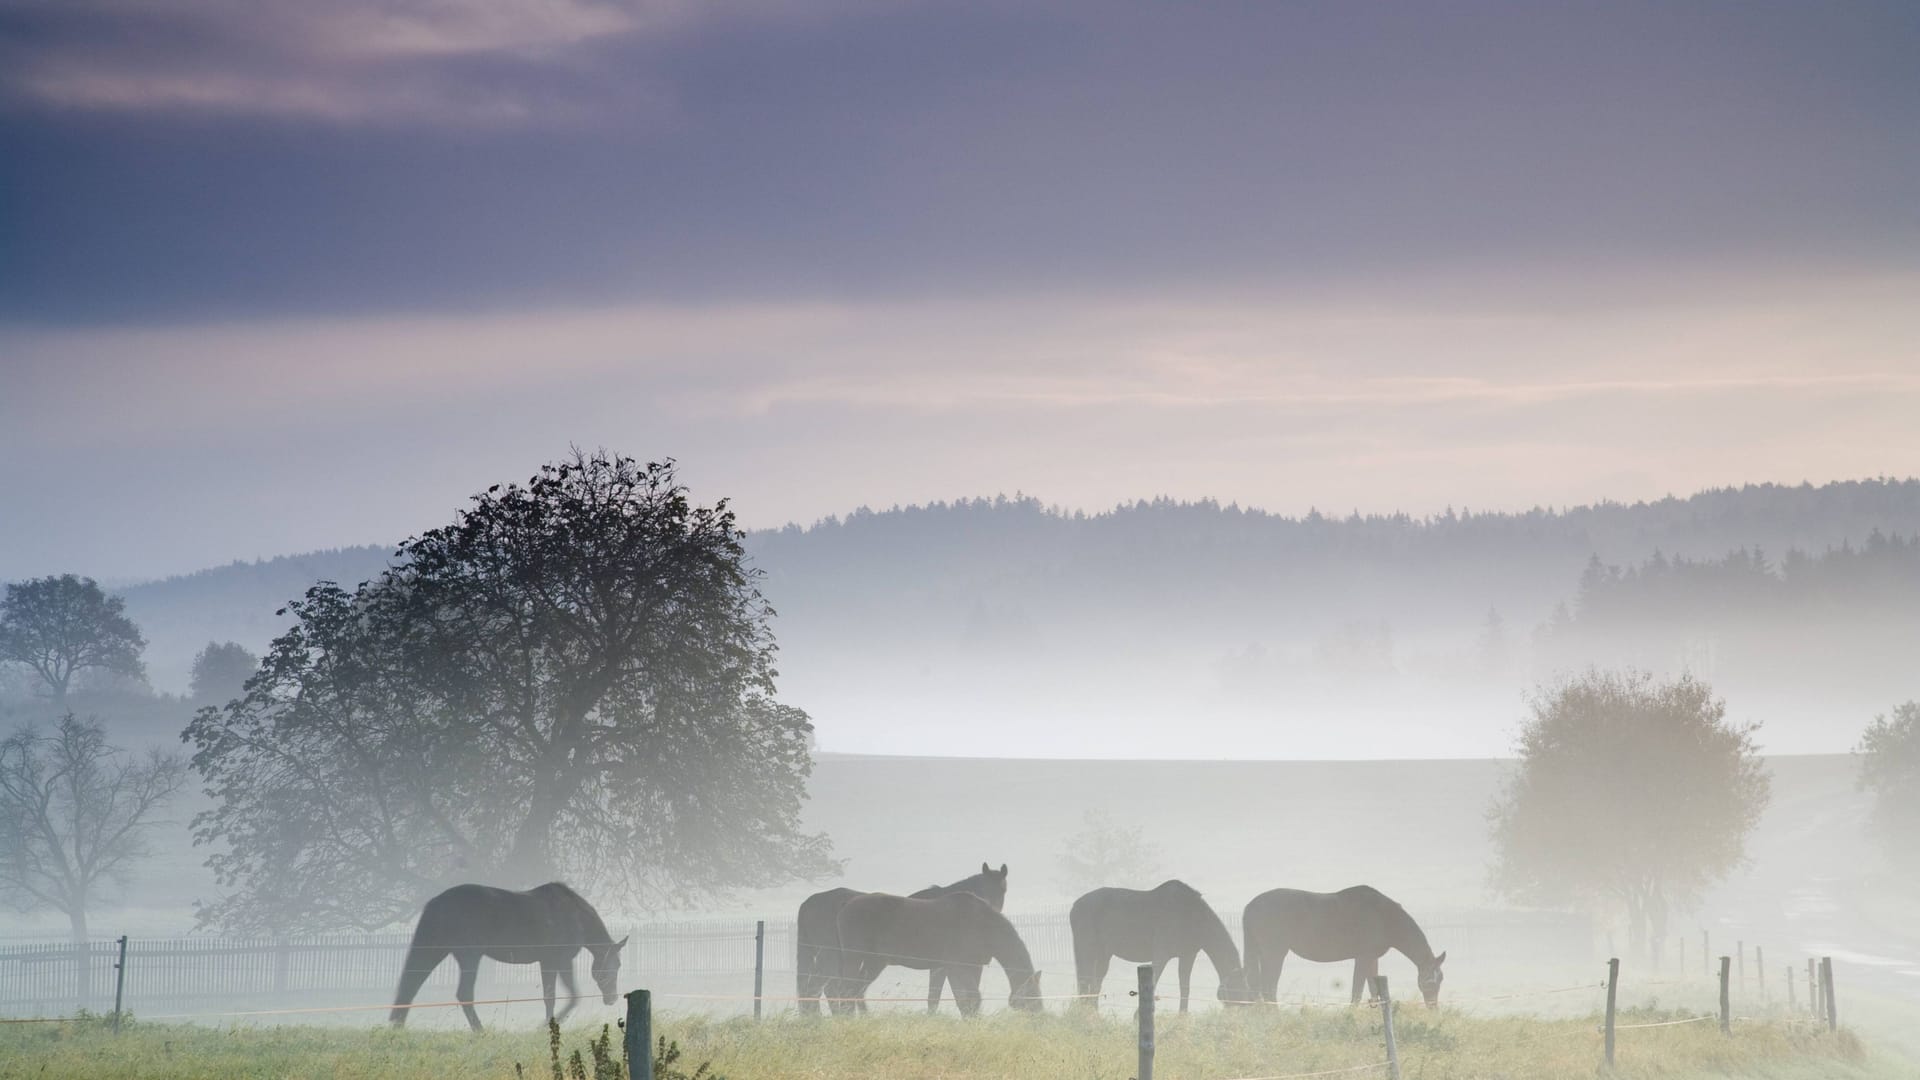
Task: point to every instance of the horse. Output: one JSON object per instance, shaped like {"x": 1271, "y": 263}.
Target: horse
{"x": 1153, "y": 926}
{"x": 547, "y": 925}
{"x": 955, "y": 935}
{"x": 817, "y": 964}
{"x": 1359, "y": 924}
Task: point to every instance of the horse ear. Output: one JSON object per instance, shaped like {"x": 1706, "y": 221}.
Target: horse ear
{"x": 1441, "y": 959}
{"x": 1003, "y": 869}
{"x": 985, "y": 869}
{"x": 621, "y": 944}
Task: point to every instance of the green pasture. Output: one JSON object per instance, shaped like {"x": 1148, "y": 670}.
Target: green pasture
{"x": 1216, "y": 1045}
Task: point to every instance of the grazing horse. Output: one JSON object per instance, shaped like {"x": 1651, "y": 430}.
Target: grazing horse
{"x": 1358, "y": 924}
{"x": 547, "y": 925}
{"x": 816, "y": 933}
{"x": 955, "y": 935}
{"x": 1153, "y": 926}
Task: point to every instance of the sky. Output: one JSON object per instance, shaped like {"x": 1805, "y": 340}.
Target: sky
{"x": 277, "y": 275}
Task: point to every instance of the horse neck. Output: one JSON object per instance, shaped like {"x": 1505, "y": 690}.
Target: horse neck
{"x": 593, "y": 931}
{"x": 1405, "y": 934}
{"x": 1218, "y": 945}
{"x": 1007, "y": 950}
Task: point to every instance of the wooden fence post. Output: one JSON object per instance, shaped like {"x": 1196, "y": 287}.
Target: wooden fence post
{"x": 1386, "y": 1024}
{"x": 1613, "y": 986}
{"x": 1813, "y": 988}
{"x": 1792, "y": 1002}
{"x": 1706, "y": 954}
{"x": 759, "y": 962}
{"x": 119, "y": 983}
{"x": 1760, "y": 972}
{"x": 1146, "y": 1022}
{"x": 1826, "y": 991}
{"x": 640, "y": 1035}
{"x": 1727, "y": 1004}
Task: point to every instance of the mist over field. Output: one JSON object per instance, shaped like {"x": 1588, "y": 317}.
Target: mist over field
{"x": 1169, "y": 629}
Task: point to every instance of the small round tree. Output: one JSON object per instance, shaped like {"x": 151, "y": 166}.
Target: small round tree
{"x": 1890, "y": 769}
{"x": 1630, "y": 795}
{"x": 61, "y": 626}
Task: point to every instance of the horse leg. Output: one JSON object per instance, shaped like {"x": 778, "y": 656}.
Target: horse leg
{"x": 1269, "y": 981}
{"x": 420, "y": 962}
{"x": 1186, "y": 979}
{"x": 469, "y": 975}
{"x": 966, "y": 989}
{"x": 1091, "y": 974}
{"x": 806, "y": 982}
{"x": 936, "y": 982}
{"x": 547, "y": 976}
{"x": 1364, "y": 969}
{"x": 573, "y": 992}
{"x": 856, "y": 990}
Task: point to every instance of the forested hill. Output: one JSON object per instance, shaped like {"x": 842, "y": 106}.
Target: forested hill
{"x": 995, "y": 608}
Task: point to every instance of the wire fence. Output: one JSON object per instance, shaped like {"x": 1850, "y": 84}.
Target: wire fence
{"x": 710, "y": 959}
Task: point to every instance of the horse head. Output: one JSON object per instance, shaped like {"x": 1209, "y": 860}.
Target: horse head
{"x": 1235, "y": 991}
{"x": 1430, "y": 978}
{"x": 1026, "y": 995}
{"x": 606, "y": 968}
{"x": 993, "y": 885}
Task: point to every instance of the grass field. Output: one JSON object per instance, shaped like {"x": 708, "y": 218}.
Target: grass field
{"x": 1208, "y": 1046}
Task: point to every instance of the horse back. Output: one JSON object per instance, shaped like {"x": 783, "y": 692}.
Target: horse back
{"x": 1325, "y": 927}
{"x": 502, "y": 924}
{"x": 916, "y": 933}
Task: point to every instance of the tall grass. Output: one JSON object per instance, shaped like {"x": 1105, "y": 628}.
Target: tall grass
{"x": 1213, "y": 1045}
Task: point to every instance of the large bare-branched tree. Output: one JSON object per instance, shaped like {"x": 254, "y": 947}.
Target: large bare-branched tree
{"x": 61, "y": 626}
{"x": 1630, "y": 795}
{"x": 74, "y": 814}
{"x": 573, "y": 679}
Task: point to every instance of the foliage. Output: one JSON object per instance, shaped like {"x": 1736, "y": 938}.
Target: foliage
{"x": 220, "y": 672}
{"x": 74, "y": 813}
{"x": 1104, "y": 852}
{"x": 1845, "y": 612}
{"x": 1628, "y": 793}
{"x": 574, "y": 679}
{"x": 601, "y": 1062}
{"x": 60, "y": 626}
{"x": 1890, "y": 768}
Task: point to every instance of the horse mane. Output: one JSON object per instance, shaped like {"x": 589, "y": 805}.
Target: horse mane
{"x": 1415, "y": 946}
{"x": 1007, "y": 948}
{"x": 972, "y": 883}
{"x": 1217, "y": 940}
{"x": 590, "y": 921}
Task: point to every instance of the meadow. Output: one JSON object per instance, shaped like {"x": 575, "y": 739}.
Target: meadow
{"x": 1214, "y": 1045}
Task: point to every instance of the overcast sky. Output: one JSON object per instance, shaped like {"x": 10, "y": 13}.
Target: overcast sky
{"x": 277, "y": 274}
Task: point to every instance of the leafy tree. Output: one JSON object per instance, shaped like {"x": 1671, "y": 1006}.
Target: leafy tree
{"x": 574, "y": 678}
{"x": 1890, "y": 768}
{"x": 74, "y": 813}
{"x": 220, "y": 672}
{"x": 59, "y": 626}
{"x": 1629, "y": 794}
{"x": 1104, "y": 852}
